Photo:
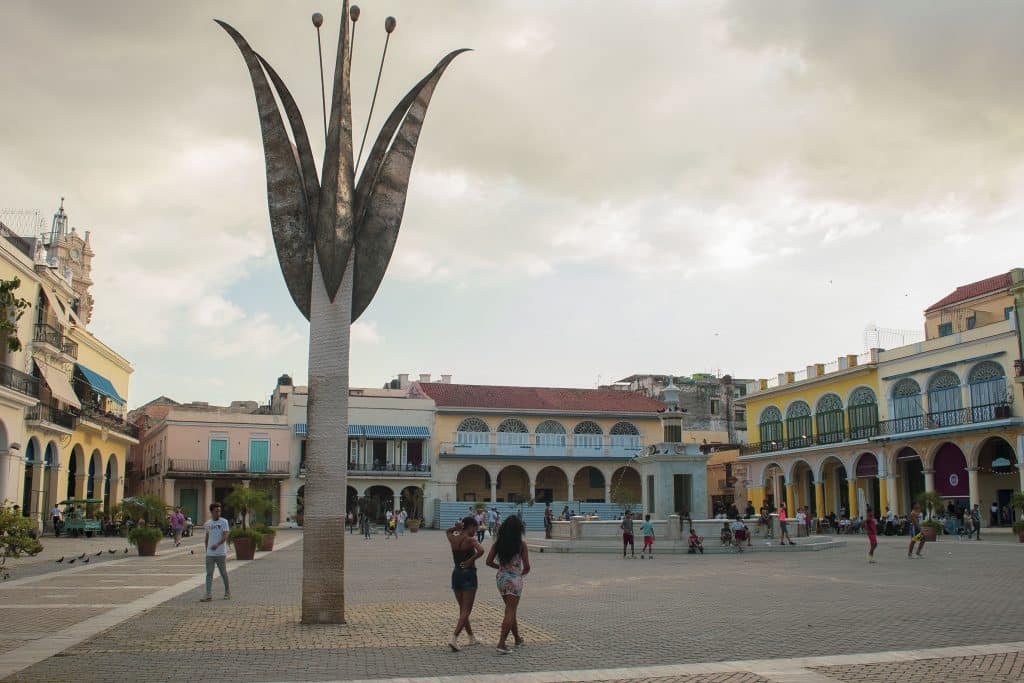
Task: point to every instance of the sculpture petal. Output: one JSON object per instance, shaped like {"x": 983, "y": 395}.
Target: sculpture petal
{"x": 305, "y": 153}
{"x": 290, "y": 220}
{"x": 334, "y": 219}
{"x": 383, "y": 186}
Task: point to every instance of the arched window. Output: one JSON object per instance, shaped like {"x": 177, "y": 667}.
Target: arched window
{"x": 550, "y": 438}
{"x": 906, "y": 402}
{"x": 512, "y": 432}
{"x": 798, "y": 425}
{"x": 863, "y": 413}
{"x": 945, "y": 399}
{"x": 587, "y": 435}
{"x": 987, "y": 382}
{"x": 625, "y": 439}
{"x": 770, "y": 425}
{"x": 829, "y": 417}
{"x": 473, "y": 435}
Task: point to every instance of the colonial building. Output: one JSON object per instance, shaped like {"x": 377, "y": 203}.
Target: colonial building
{"x": 63, "y": 432}
{"x": 939, "y": 415}
{"x": 389, "y": 452}
{"x": 510, "y": 444}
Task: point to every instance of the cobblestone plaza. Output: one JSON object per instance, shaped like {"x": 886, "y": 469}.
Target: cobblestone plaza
{"x": 753, "y": 617}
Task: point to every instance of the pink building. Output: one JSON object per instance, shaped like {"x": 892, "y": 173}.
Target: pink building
{"x": 198, "y": 453}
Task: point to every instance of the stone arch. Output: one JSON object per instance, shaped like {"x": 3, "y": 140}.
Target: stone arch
{"x": 94, "y": 473}
{"x": 76, "y": 466}
{"x": 975, "y": 453}
{"x": 473, "y": 424}
{"x": 819, "y": 473}
{"x": 801, "y": 475}
{"x": 588, "y": 484}
{"x": 33, "y": 450}
{"x": 796, "y": 465}
{"x": 512, "y": 424}
{"x": 513, "y": 484}
{"x": 769, "y": 414}
{"x": 829, "y": 401}
{"x": 552, "y": 484}
{"x": 866, "y": 465}
{"x": 351, "y": 499}
{"x": 949, "y": 464}
{"x": 998, "y": 469}
{"x": 797, "y": 408}
{"x": 985, "y": 371}
{"x": 624, "y": 429}
{"x": 379, "y": 499}
{"x": 625, "y": 486}
{"x": 412, "y": 500}
{"x": 587, "y": 427}
{"x": 473, "y": 483}
{"x": 51, "y": 456}
{"x": 550, "y": 427}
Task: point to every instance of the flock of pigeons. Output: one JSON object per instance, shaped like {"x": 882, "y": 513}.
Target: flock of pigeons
{"x": 85, "y": 560}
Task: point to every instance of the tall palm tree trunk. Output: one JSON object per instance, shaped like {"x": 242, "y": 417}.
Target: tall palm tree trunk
{"x": 323, "y": 546}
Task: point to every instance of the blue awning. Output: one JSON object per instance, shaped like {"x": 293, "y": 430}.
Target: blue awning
{"x": 355, "y": 430}
{"x": 300, "y": 429}
{"x": 392, "y": 431}
{"x": 100, "y": 384}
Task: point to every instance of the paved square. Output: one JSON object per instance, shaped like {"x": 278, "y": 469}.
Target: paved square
{"x": 579, "y": 612}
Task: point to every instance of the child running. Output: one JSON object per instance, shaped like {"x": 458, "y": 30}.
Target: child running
{"x": 871, "y": 526}
{"x": 915, "y": 531}
{"x": 647, "y": 529}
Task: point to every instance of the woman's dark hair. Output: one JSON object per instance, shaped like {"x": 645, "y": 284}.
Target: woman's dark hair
{"x": 510, "y": 539}
{"x": 469, "y": 521}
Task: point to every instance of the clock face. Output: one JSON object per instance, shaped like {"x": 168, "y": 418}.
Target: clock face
{"x": 76, "y": 255}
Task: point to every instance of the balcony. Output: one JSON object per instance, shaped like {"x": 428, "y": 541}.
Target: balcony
{"x": 70, "y": 349}
{"x": 388, "y": 469}
{"x": 516, "y": 445}
{"x": 48, "y": 417}
{"x": 233, "y": 469}
{"x": 48, "y": 334}
{"x": 98, "y": 416}
{"x": 19, "y": 381}
{"x": 950, "y": 418}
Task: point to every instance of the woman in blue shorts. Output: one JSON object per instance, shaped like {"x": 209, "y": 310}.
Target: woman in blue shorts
{"x": 465, "y": 552}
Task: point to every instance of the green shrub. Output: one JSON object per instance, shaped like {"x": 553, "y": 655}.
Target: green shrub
{"x": 237, "y": 533}
{"x": 264, "y": 529}
{"x": 145, "y": 534}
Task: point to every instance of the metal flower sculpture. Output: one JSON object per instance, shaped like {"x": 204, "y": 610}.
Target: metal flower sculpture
{"x": 334, "y": 239}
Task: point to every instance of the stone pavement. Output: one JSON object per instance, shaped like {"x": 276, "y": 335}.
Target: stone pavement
{"x": 784, "y": 617}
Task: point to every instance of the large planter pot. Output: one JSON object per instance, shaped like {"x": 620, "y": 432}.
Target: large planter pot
{"x": 267, "y": 543}
{"x": 413, "y": 526}
{"x": 147, "y": 548}
{"x": 245, "y": 549}
{"x": 929, "y": 534}
{"x": 1020, "y": 536}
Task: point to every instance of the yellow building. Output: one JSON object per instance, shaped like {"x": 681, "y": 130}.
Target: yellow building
{"x": 509, "y": 444}
{"x": 62, "y": 428}
{"x": 947, "y": 420}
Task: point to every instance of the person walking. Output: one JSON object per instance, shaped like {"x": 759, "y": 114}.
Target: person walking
{"x": 350, "y": 522}
{"x": 993, "y": 518}
{"x": 647, "y": 531}
{"x": 481, "y": 527}
{"x": 217, "y": 529}
{"x": 627, "y": 535}
{"x": 783, "y": 527}
{"x": 549, "y": 520}
{"x": 402, "y": 516}
{"x": 871, "y": 526}
{"x": 975, "y": 515}
{"x": 177, "y": 525}
{"x": 364, "y": 525}
{"x": 55, "y": 517}
{"x": 466, "y": 550}
{"x": 489, "y": 518}
{"x": 914, "y": 520}
{"x": 511, "y": 557}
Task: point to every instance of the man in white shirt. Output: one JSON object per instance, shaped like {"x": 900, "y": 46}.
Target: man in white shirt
{"x": 55, "y": 516}
{"x": 217, "y": 529}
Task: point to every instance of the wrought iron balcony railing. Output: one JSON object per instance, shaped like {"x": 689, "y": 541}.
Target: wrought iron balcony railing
{"x": 19, "y": 381}
{"x": 178, "y": 466}
{"x": 48, "y": 334}
{"x": 389, "y": 468}
{"x": 70, "y": 349}
{"x": 101, "y": 417}
{"x": 902, "y": 425}
{"x": 55, "y": 416}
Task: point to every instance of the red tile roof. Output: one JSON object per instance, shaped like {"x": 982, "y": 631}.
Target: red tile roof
{"x": 537, "y": 398}
{"x": 979, "y": 288}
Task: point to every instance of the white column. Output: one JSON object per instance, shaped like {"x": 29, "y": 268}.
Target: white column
{"x": 494, "y": 488}
{"x": 972, "y": 486}
{"x": 36, "y": 494}
{"x": 533, "y": 486}
{"x": 570, "y": 491}
{"x": 1020, "y": 463}
{"x": 607, "y": 489}
{"x": 207, "y": 497}
{"x": 929, "y": 480}
{"x": 890, "y": 489}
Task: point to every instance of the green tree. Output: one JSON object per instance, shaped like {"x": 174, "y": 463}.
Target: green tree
{"x": 17, "y": 537}
{"x": 148, "y": 508}
{"x": 247, "y": 501}
{"x": 12, "y": 307}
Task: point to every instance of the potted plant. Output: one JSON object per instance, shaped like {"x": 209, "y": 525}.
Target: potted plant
{"x": 1017, "y": 501}
{"x": 247, "y": 500}
{"x": 930, "y": 501}
{"x": 17, "y": 537}
{"x": 145, "y": 539}
{"x": 269, "y": 534}
{"x": 245, "y": 541}
{"x": 413, "y": 524}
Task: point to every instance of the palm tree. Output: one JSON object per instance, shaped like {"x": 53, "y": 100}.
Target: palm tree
{"x": 248, "y": 501}
{"x": 334, "y": 240}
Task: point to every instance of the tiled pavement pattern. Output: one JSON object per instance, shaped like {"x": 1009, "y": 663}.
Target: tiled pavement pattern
{"x": 987, "y": 669}
{"x": 729, "y": 677}
{"x": 579, "y": 612}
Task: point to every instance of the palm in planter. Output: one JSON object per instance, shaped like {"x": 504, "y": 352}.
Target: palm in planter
{"x": 246, "y": 501}
{"x": 930, "y": 501}
{"x": 1017, "y": 503}
{"x": 149, "y": 510}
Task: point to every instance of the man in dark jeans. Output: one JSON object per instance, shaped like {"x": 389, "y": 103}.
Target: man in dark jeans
{"x": 976, "y": 519}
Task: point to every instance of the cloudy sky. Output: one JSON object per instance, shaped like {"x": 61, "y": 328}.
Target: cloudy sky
{"x": 600, "y": 188}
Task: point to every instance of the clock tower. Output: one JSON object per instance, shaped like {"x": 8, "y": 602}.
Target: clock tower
{"x": 71, "y": 254}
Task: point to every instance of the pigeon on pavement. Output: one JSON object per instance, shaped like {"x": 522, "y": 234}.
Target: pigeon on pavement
{"x": 86, "y": 560}
{"x": 61, "y": 559}
{"x": 81, "y": 556}
{"x": 99, "y": 553}
{"x": 111, "y": 551}
{"x": 72, "y": 561}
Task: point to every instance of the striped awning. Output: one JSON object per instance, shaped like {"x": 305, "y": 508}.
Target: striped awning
{"x": 300, "y": 429}
{"x": 391, "y": 431}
